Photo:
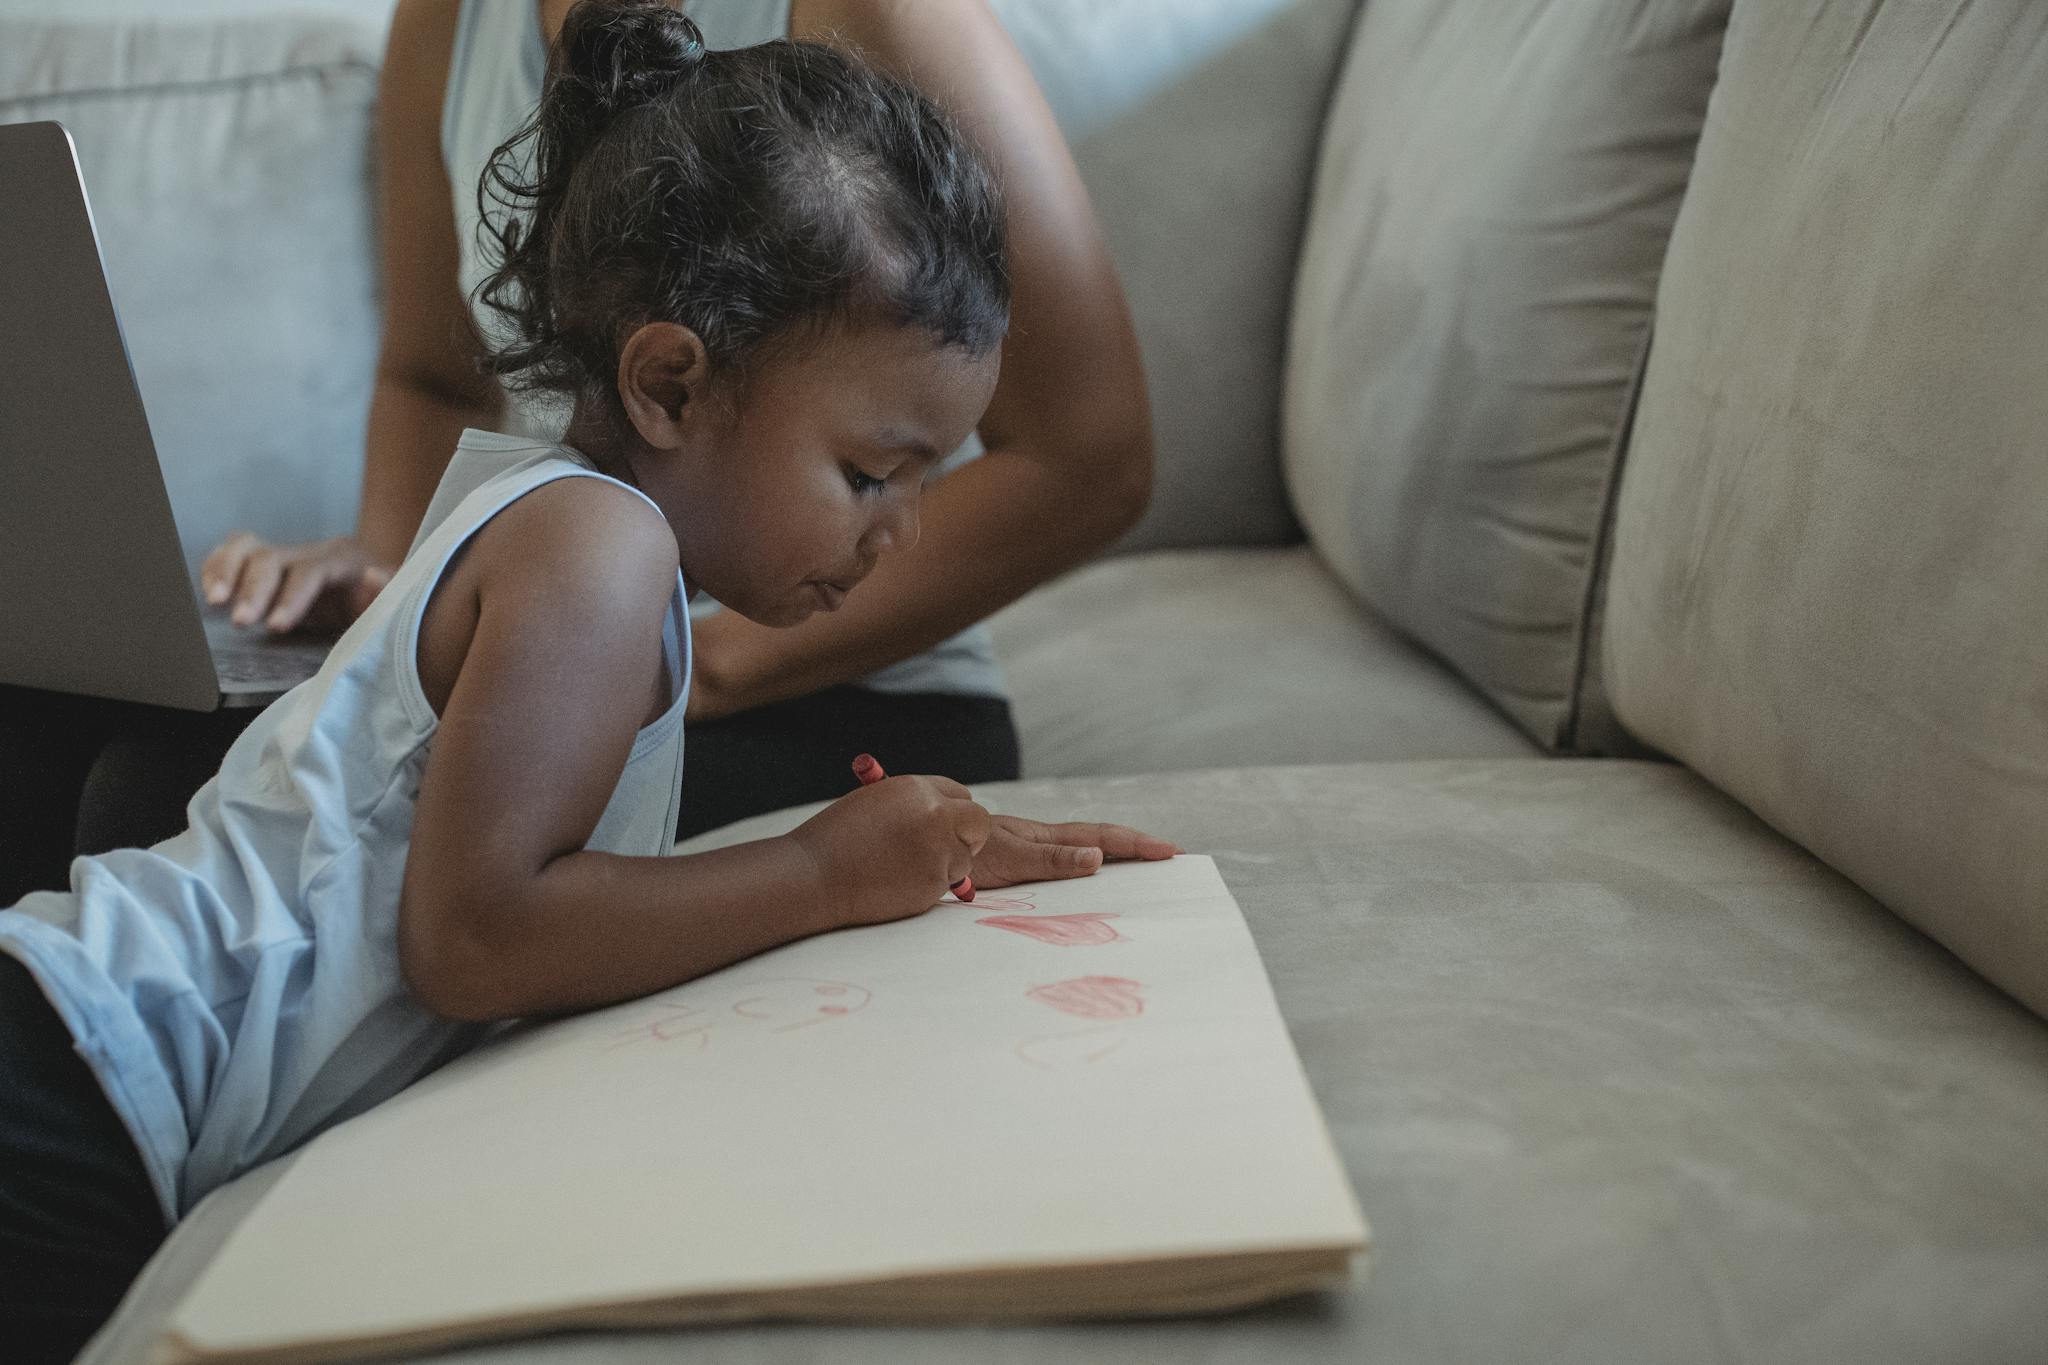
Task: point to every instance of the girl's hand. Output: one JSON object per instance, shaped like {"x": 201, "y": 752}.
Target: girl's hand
{"x": 1020, "y": 850}
{"x": 322, "y": 586}
{"x": 889, "y": 851}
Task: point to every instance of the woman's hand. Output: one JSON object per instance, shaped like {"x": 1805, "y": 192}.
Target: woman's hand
{"x": 322, "y": 586}
{"x": 1020, "y": 850}
{"x": 713, "y": 690}
{"x": 890, "y": 850}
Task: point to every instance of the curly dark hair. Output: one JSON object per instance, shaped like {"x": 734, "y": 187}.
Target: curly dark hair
{"x": 745, "y": 194}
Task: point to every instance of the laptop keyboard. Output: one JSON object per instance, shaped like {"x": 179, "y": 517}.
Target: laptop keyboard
{"x": 266, "y": 665}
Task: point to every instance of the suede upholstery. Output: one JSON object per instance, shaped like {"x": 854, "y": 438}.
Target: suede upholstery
{"x": 1619, "y": 1074}
{"x": 1492, "y": 202}
{"x": 1193, "y": 125}
{"x": 1260, "y": 656}
{"x": 1829, "y": 592}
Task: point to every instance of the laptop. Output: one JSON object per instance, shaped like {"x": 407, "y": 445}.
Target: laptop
{"x": 94, "y": 594}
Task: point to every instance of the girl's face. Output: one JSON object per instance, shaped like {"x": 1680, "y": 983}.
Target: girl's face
{"x": 782, "y": 507}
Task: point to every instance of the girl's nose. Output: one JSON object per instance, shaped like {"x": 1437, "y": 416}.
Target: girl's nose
{"x": 896, "y": 528}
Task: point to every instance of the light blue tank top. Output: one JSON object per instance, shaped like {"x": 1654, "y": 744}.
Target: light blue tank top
{"x": 495, "y": 74}
{"x": 236, "y": 988}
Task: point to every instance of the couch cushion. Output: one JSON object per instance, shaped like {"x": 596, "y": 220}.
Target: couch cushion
{"x": 1212, "y": 658}
{"x": 1829, "y": 574}
{"x": 1492, "y": 201}
{"x": 227, "y": 166}
{"x": 1619, "y": 1075}
{"x": 1193, "y": 124}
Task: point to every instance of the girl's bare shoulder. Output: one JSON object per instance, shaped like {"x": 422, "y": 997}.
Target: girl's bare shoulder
{"x": 582, "y": 545}
{"x": 576, "y": 556}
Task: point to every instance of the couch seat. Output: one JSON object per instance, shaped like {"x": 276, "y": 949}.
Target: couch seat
{"x": 1217, "y": 658}
{"x": 1620, "y": 1076}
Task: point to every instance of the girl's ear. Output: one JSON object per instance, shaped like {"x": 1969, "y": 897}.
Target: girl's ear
{"x": 662, "y": 372}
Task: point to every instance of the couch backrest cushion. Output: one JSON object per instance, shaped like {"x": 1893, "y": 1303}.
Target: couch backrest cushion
{"x": 1194, "y": 125}
{"x": 1830, "y": 570}
{"x": 1496, "y": 186}
{"x": 227, "y": 163}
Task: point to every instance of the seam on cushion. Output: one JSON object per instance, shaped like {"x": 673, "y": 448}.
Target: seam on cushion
{"x": 207, "y": 85}
{"x": 1567, "y": 739}
{"x": 1347, "y": 54}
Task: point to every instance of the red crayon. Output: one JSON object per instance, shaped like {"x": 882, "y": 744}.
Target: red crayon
{"x": 870, "y": 772}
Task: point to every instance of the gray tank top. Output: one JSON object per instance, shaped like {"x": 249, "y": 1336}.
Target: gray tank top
{"x": 494, "y": 80}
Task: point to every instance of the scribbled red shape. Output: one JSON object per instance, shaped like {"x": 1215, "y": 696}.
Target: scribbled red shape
{"x": 1094, "y": 997}
{"x": 1062, "y": 931}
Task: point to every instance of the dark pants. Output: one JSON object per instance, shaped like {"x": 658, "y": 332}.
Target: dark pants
{"x": 79, "y": 775}
{"x": 803, "y": 750}
{"x": 78, "y": 1217}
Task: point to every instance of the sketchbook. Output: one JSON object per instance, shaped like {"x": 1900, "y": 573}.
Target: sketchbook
{"x": 1063, "y": 1100}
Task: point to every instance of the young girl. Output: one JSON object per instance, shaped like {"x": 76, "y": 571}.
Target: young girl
{"x": 771, "y": 283}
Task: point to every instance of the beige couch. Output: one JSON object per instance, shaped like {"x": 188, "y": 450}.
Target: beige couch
{"x": 1637, "y": 781}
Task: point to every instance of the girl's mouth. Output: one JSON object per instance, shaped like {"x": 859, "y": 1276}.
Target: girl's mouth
{"x": 830, "y": 594}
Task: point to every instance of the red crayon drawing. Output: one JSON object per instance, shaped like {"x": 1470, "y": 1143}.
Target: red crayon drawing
{"x": 770, "y": 1005}
{"x": 1062, "y": 931}
{"x": 1082, "y": 1047}
{"x": 677, "y": 1022}
{"x": 1093, "y": 997}
{"x": 780, "y": 1006}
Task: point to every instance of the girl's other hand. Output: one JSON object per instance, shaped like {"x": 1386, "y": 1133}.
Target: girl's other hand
{"x": 1020, "y": 850}
{"x": 322, "y": 586}
{"x": 889, "y": 851}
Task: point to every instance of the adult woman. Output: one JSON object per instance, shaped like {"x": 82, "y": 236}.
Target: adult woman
{"x": 775, "y": 714}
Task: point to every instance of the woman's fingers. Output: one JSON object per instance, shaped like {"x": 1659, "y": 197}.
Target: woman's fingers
{"x": 260, "y": 574}
{"x": 304, "y": 579}
{"x": 223, "y": 567}
{"x": 286, "y": 586}
{"x": 368, "y": 584}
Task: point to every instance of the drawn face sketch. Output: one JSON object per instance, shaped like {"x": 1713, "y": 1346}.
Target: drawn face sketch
{"x": 673, "y": 1022}
{"x": 785, "y": 1003}
{"x": 1062, "y": 1051}
{"x": 774, "y": 1004}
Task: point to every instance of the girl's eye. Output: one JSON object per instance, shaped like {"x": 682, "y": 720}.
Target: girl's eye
{"x": 864, "y": 483}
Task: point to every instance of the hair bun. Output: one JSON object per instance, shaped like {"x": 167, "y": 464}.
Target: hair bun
{"x": 620, "y": 54}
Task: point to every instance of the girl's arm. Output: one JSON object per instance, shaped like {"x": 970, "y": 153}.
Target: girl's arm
{"x": 427, "y": 386}
{"x": 556, "y": 609}
{"x": 1069, "y": 433}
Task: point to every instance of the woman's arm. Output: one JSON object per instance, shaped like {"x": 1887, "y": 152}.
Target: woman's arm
{"x": 1069, "y": 433}
{"x": 427, "y": 386}
{"x": 504, "y": 912}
